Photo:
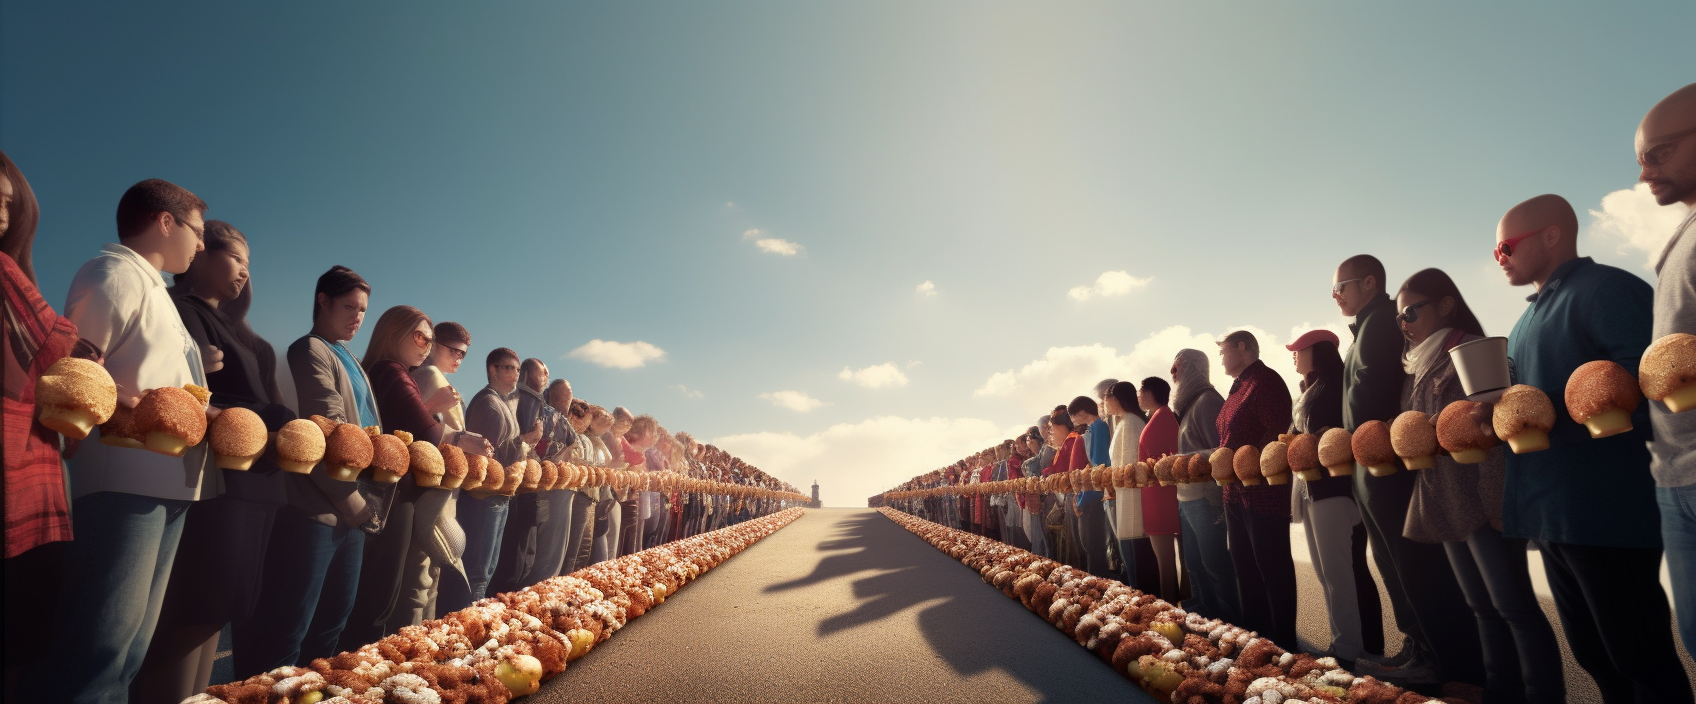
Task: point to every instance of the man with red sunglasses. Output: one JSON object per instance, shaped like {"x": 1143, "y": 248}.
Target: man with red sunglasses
{"x": 1666, "y": 151}
{"x": 1588, "y": 503}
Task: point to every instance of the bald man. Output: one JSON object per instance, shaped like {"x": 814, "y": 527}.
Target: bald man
{"x": 1589, "y": 503}
{"x": 1666, "y": 150}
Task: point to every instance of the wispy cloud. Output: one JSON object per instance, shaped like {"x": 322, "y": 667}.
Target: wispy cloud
{"x": 926, "y": 289}
{"x": 752, "y": 233}
{"x": 1632, "y": 222}
{"x": 1109, "y": 283}
{"x": 875, "y": 377}
{"x": 618, "y": 355}
{"x": 777, "y": 246}
{"x": 688, "y": 392}
{"x": 792, "y": 400}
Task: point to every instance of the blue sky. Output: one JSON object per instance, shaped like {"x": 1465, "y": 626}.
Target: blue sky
{"x": 550, "y": 174}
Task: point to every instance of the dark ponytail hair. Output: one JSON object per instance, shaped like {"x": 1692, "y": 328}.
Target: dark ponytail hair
{"x": 1062, "y": 418}
{"x": 1435, "y": 285}
{"x": 335, "y": 283}
{"x": 220, "y": 237}
{"x": 1125, "y": 394}
{"x": 1327, "y": 362}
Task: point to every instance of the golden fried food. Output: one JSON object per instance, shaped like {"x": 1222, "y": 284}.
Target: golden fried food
{"x": 1667, "y": 372}
{"x": 171, "y": 419}
{"x": 476, "y": 467}
{"x": 1303, "y": 456}
{"x": 1223, "y": 462}
{"x": 1371, "y": 443}
{"x": 347, "y": 452}
{"x": 237, "y": 437}
{"x": 456, "y": 467}
{"x": 119, "y": 430}
{"x": 1523, "y": 417}
{"x": 1601, "y": 395}
{"x": 426, "y": 462}
{"x": 1246, "y": 463}
{"x": 300, "y": 446}
{"x": 1336, "y": 452}
{"x": 390, "y": 457}
{"x": 1414, "y": 438}
{"x": 1275, "y": 463}
{"x": 1459, "y": 431}
{"x": 74, "y": 395}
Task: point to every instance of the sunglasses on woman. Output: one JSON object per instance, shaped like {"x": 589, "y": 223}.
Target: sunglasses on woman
{"x": 422, "y": 339}
{"x": 1411, "y": 313}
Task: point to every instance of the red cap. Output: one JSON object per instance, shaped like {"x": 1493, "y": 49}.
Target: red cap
{"x": 1309, "y": 338}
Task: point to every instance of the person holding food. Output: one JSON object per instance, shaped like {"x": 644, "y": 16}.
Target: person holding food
{"x": 318, "y": 539}
{"x": 1422, "y": 589}
{"x": 433, "y": 563}
{"x": 1666, "y": 154}
{"x": 1336, "y": 538}
{"x": 38, "y": 512}
{"x": 1157, "y": 438}
{"x": 1460, "y": 506}
{"x": 1257, "y": 518}
{"x": 128, "y": 505}
{"x": 220, "y": 561}
{"x": 1201, "y": 505}
{"x": 493, "y": 414}
{"x": 1600, "y": 540}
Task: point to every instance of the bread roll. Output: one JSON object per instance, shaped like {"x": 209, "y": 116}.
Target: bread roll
{"x": 390, "y": 456}
{"x": 171, "y": 419}
{"x": 1142, "y": 475}
{"x": 550, "y": 476}
{"x": 325, "y": 424}
{"x": 1523, "y": 417}
{"x": 74, "y": 395}
{"x": 1275, "y": 463}
{"x": 300, "y": 446}
{"x": 456, "y": 466}
{"x": 1414, "y": 438}
{"x": 1668, "y": 372}
{"x": 1223, "y": 462}
{"x": 347, "y": 452}
{"x": 1163, "y": 470}
{"x": 1602, "y": 395}
{"x": 426, "y": 462}
{"x": 237, "y": 437}
{"x": 494, "y": 478}
{"x": 1336, "y": 452}
{"x": 1246, "y": 463}
{"x": 119, "y": 430}
{"x": 516, "y": 477}
{"x": 1461, "y": 434}
{"x": 476, "y": 467}
{"x": 1303, "y": 456}
{"x": 1371, "y": 443}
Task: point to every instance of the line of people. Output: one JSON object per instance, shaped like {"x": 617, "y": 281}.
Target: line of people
{"x": 124, "y": 566}
{"x": 1450, "y": 541}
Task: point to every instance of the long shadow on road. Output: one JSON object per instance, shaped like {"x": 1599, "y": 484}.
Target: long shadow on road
{"x": 970, "y": 625}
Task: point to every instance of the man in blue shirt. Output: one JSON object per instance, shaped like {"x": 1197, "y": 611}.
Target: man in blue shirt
{"x": 1589, "y": 503}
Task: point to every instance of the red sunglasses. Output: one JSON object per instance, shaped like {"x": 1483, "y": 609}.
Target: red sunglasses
{"x": 1504, "y": 249}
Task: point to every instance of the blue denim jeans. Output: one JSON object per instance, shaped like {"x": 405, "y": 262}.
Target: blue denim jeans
{"x": 1213, "y": 580}
{"x": 114, "y": 582}
{"x": 483, "y": 521}
{"x": 1522, "y": 663}
{"x": 311, "y": 579}
{"x": 1678, "y": 534}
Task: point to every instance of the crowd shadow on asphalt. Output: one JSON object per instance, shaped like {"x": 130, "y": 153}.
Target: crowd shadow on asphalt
{"x": 969, "y": 624}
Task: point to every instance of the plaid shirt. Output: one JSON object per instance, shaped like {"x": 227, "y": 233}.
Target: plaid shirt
{"x": 37, "y": 511}
{"x": 1257, "y": 410}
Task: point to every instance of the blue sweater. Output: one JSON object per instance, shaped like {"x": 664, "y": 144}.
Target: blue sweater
{"x": 1582, "y": 490}
{"x": 1097, "y": 440}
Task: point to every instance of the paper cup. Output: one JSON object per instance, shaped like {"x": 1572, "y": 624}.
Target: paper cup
{"x": 1482, "y": 365}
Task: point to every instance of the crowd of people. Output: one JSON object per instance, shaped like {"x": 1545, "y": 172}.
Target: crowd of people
{"x": 1450, "y": 541}
{"x": 123, "y": 566}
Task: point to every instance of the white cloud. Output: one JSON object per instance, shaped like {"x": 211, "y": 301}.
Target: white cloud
{"x": 1632, "y": 222}
{"x": 1065, "y": 372}
{"x": 778, "y": 246}
{"x": 751, "y": 234}
{"x": 1109, "y": 283}
{"x": 618, "y": 355}
{"x": 926, "y": 289}
{"x": 792, "y": 400}
{"x": 688, "y": 392}
{"x": 852, "y": 461}
{"x": 876, "y": 376}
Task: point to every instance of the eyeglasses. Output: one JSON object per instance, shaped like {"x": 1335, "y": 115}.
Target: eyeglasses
{"x": 455, "y": 352}
{"x": 1411, "y": 313}
{"x": 422, "y": 339}
{"x": 1505, "y": 248}
{"x": 1660, "y": 153}
{"x": 507, "y": 367}
{"x": 1337, "y": 288}
{"x": 199, "y": 232}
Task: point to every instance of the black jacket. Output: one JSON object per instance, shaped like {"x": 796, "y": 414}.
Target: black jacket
{"x": 1372, "y": 371}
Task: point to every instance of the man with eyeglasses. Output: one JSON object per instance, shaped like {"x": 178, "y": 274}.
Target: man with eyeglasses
{"x": 1436, "y": 647}
{"x": 1666, "y": 151}
{"x": 1588, "y": 503}
{"x": 492, "y": 413}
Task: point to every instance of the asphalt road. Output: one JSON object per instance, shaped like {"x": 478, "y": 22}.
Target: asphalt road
{"x": 842, "y": 605}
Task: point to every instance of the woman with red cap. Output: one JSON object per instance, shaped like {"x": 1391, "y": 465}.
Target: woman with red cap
{"x": 1336, "y": 538}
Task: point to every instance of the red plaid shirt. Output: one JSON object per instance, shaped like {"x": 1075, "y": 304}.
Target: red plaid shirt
{"x": 37, "y": 511}
{"x": 1257, "y": 410}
